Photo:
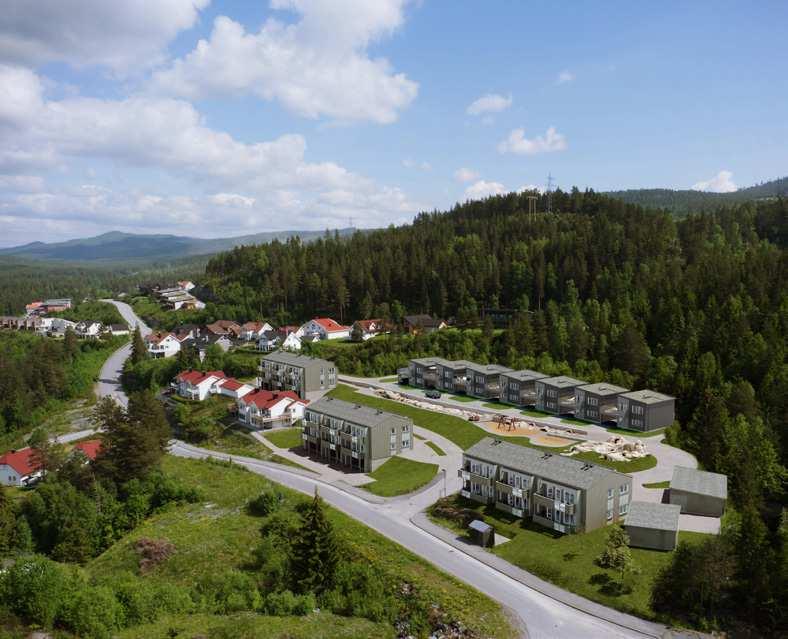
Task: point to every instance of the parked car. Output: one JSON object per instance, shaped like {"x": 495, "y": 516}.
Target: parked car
{"x": 433, "y": 394}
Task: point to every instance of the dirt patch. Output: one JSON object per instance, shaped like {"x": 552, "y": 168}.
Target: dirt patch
{"x": 524, "y": 428}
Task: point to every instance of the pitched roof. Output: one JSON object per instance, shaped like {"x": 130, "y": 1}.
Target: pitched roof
{"x": 700, "y": 482}
{"x": 198, "y": 377}
{"x": 550, "y": 466}
{"x": 329, "y": 325}
{"x": 370, "y": 324}
{"x": 158, "y": 336}
{"x": 294, "y": 359}
{"x": 356, "y": 413}
{"x": 253, "y": 326}
{"x": 232, "y": 384}
{"x": 423, "y": 320}
{"x": 22, "y": 461}
{"x": 265, "y": 399}
{"x": 647, "y": 514}
{"x": 91, "y": 448}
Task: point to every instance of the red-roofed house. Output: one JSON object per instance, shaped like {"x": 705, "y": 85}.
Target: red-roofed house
{"x": 323, "y": 328}
{"x": 253, "y": 331}
{"x": 265, "y": 409}
{"x": 231, "y": 387}
{"x": 367, "y": 329}
{"x": 197, "y": 385}
{"x": 162, "y": 344}
{"x": 90, "y": 448}
{"x": 19, "y": 468}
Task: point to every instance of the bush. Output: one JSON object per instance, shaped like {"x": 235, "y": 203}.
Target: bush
{"x": 144, "y": 601}
{"x": 152, "y": 552}
{"x": 34, "y": 587}
{"x": 229, "y": 591}
{"x": 286, "y": 603}
{"x": 266, "y": 502}
{"x": 92, "y": 611}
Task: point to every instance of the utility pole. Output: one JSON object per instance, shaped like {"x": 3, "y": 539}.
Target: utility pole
{"x": 550, "y": 181}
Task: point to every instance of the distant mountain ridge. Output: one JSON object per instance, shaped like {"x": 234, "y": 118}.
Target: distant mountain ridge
{"x": 688, "y": 200}
{"x": 118, "y": 246}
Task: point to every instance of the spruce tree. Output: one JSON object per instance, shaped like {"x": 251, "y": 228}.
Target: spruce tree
{"x": 315, "y": 552}
{"x": 138, "y": 350}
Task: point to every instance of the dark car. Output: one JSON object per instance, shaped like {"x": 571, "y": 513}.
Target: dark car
{"x": 433, "y": 394}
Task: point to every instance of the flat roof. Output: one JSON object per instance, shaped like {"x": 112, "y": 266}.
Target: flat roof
{"x": 525, "y": 375}
{"x": 487, "y": 369}
{"x": 427, "y": 361}
{"x": 648, "y": 397}
{"x": 562, "y": 381}
{"x": 648, "y": 514}
{"x": 294, "y": 359}
{"x": 700, "y": 482}
{"x": 603, "y": 388}
{"x": 550, "y": 466}
{"x": 356, "y": 413}
{"x": 454, "y": 364}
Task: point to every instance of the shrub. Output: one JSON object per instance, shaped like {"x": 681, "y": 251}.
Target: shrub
{"x": 34, "y": 587}
{"x": 266, "y": 502}
{"x": 286, "y": 603}
{"x": 152, "y": 552}
{"x": 229, "y": 591}
{"x": 92, "y": 611}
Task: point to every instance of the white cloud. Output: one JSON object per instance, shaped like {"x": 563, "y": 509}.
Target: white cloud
{"x": 482, "y": 189}
{"x": 412, "y": 164}
{"x": 21, "y": 183}
{"x": 517, "y": 143}
{"x": 233, "y": 200}
{"x": 489, "y": 103}
{"x": 720, "y": 183}
{"x": 22, "y": 91}
{"x": 465, "y": 174}
{"x": 530, "y": 187}
{"x": 564, "y": 77}
{"x": 116, "y": 34}
{"x": 317, "y": 66}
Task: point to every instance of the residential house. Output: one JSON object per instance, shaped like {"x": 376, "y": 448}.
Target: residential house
{"x": 118, "y": 329}
{"x": 196, "y": 385}
{"x": 291, "y": 343}
{"x": 519, "y": 387}
{"x": 19, "y": 468}
{"x": 266, "y": 409}
{"x": 652, "y": 525}
{"x": 57, "y": 305}
{"x": 162, "y": 344}
{"x": 597, "y": 403}
{"x": 90, "y": 448}
{"x": 269, "y": 341}
{"x": 556, "y": 394}
{"x": 59, "y": 326}
{"x": 362, "y": 330}
{"x": 423, "y": 323}
{"x": 356, "y": 437}
{"x": 253, "y": 331}
{"x": 308, "y": 377}
{"x": 231, "y": 387}
{"x": 34, "y": 307}
{"x": 561, "y": 493}
{"x": 483, "y": 380}
{"x": 645, "y": 410}
{"x": 323, "y": 328}
{"x": 89, "y": 329}
{"x": 698, "y": 492}
{"x": 226, "y": 328}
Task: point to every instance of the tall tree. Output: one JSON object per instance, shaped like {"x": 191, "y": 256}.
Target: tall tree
{"x": 138, "y": 350}
{"x": 314, "y": 552}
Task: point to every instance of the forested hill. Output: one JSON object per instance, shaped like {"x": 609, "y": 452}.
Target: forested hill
{"x": 686, "y": 201}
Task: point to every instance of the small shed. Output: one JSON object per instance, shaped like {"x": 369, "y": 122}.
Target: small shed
{"x": 699, "y": 492}
{"x": 652, "y": 525}
{"x": 482, "y": 533}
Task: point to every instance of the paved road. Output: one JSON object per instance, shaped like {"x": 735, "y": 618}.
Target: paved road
{"x": 539, "y": 615}
{"x": 108, "y": 384}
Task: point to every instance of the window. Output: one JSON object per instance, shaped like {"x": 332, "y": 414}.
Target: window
{"x": 393, "y": 431}
{"x": 405, "y": 429}
{"x": 570, "y": 498}
{"x": 624, "y": 489}
{"x": 609, "y": 513}
{"x": 549, "y": 491}
{"x": 623, "y": 508}
{"x": 610, "y": 493}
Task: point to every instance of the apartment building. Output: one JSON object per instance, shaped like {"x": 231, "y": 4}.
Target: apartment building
{"x": 483, "y": 380}
{"x": 557, "y": 394}
{"x": 597, "y": 402}
{"x": 356, "y": 437}
{"x": 561, "y": 493}
{"x": 645, "y": 410}
{"x": 450, "y": 376}
{"x": 519, "y": 387}
{"x": 308, "y": 377}
{"x": 421, "y": 372}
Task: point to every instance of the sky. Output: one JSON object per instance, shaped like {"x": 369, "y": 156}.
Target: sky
{"x": 212, "y": 119}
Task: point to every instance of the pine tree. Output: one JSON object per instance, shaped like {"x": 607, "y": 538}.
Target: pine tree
{"x": 138, "y": 350}
{"x": 315, "y": 552}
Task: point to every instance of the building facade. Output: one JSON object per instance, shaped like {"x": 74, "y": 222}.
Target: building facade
{"x": 561, "y": 493}
{"x": 699, "y": 492}
{"x": 597, "y": 402}
{"x": 519, "y": 387}
{"x": 652, "y": 525}
{"x": 556, "y": 395}
{"x": 483, "y": 380}
{"x": 645, "y": 410}
{"x": 308, "y": 377}
{"x": 357, "y": 437}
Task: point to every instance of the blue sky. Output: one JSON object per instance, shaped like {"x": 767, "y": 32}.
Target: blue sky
{"x": 221, "y": 118}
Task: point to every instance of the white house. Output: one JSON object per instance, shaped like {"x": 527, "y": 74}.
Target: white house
{"x": 19, "y": 468}
{"x": 269, "y": 341}
{"x": 117, "y": 329}
{"x": 323, "y": 328}
{"x": 197, "y": 385}
{"x": 266, "y": 409}
{"x": 363, "y": 330}
{"x": 162, "y": 344}
{"x": 253, "y": 331}
{"x": 59, "y": 326}
{"x": 88, "y": 329}
{"x": 291, "y": 343}
{"x": 231, "y": 387}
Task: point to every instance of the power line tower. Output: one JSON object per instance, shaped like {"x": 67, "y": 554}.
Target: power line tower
{"x": 532, "y": 199}
{"x": 550, "y": 183}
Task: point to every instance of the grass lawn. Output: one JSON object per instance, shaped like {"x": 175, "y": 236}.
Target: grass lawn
{"x": 569, "y": 560}
{"x": 393, "y": 378}
{"x": 658, "y": 484}
{"x": 436, "y": 448}
{"x": 573, "y": 421}
{"x": 285, "y": 437}
{"x": 399, "y": 476}
{"x": 494, "y": 405}
{"x": 418, "y": 436}
{"x": 459, "y": 398}
{"x": 635, "y": 433}
{"x": 633, "y": 466}
{"x": 218, "y": 534}
{"x": 535, "y": 413}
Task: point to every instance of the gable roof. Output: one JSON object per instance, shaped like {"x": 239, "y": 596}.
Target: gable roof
{"x": 22, "y": 461}
{"x": 158, "y": 337}
{"x": 91, "y": 448}
{"x": 423, "y": 320}
{"x": 198, "y": 377}
{"x": 550, "y": 466}
{"x": 253, "y": 326}
{"x": 265, "y": 399}
{"x": 232, "y": 384}
{"x": 646, "y": 514}
{"x": 369, "y": 324}
{"x": 356, "y": 413}
{"x": 329, "y": 325}
{"x": 700, "y": 482}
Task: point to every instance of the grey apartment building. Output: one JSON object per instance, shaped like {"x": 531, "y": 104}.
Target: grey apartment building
{"x": 519, "y": 387}
{"x": 597, "y": 402}
{"x": 309, "y": 377}
{"x": 556, "y": 394}
{"x": 483, "y": 380}
{"x": 357, "y": 437}
{"x": 450, "y": 375}
{"x": 561, "y": 493}
{"x": 645, "y": 410}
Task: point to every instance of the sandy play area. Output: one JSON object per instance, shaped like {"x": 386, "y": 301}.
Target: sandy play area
{"x": 524, "y": 429}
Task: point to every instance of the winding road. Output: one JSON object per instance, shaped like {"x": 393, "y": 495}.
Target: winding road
{"x": 539, "y": 616}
